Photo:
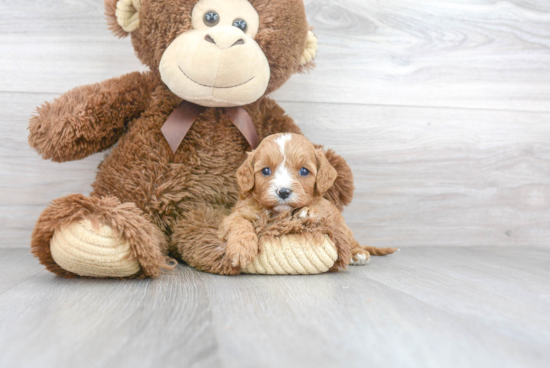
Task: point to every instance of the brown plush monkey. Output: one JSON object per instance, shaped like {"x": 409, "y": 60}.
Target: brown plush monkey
{"x": 156, "y": 194}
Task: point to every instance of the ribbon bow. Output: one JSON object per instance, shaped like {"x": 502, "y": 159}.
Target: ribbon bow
{"x": 181, "y": 120}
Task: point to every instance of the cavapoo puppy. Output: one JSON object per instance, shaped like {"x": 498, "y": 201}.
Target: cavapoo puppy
{"x": 283, "y": 181}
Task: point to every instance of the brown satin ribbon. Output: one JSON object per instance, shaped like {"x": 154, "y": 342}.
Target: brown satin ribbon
{"x": 242, "y": 120}
{"x": 179, "y": 123}
{"x": 181, "y": 120}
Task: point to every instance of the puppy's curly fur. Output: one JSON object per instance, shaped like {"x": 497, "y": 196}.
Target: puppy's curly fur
{"x": 282, "y": 187}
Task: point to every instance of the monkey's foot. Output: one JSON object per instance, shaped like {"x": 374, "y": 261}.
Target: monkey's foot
{"x": 98, "y": 237}
{"x": 95, "y": 251}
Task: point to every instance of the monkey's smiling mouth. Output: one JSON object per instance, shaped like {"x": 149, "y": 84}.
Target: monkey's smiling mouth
{"x": 205, "y": 85}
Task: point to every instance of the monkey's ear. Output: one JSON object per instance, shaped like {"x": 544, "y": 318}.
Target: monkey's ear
{"x": 122, "y": 16}
{"x": 326, "y": 174}
{"x": 310, "y": 51}
{"x": 245, "y": 175}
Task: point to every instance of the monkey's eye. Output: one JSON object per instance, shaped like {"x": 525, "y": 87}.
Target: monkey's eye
{"x": 211, "y": 18}
{"x": 304, "y": 171}
{"x": 266, "y": 171}
{"x": 240, "y": 24}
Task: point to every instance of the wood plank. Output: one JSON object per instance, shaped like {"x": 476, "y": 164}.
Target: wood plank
{"x": 373, "y": 321}
{"x": 107, "y": 323}
{"x": 477, "y": 54}
{"x": 423, "y": 307}
{"x": 17, "y": 266}
{"x": 482, "y": 278}
{"x": 483, "y": 54}
{"x": 52, "y": 46}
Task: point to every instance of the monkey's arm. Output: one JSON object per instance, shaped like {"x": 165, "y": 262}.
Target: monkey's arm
{"x": 276, "y": 121}
{"x": 89, "y": 119}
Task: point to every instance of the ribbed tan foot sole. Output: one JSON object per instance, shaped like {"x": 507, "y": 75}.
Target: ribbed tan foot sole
{"x": 85, "y": 251}
{"x": 294, "y": 256}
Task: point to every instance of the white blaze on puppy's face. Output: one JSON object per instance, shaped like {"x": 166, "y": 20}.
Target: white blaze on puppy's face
{"x": 282, "y": 178}
{"x": 281, "y": 142}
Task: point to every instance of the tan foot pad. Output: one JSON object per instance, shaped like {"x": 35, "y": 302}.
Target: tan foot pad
{"x": 294, "y": 256}
{"x": 85, "y": 251}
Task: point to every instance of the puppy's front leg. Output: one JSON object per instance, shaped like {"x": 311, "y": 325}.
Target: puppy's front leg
{"x": 241, "y": 239}
{"x": 307, "y": 213}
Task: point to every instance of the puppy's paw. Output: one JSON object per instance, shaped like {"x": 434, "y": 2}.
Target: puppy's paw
{"x": 242, "y": 249}
{"x": 307, "y": 213}
{"x": 360, "y": 258}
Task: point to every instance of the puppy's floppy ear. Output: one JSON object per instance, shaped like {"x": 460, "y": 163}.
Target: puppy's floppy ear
{"x": 245, "y": 174}
{"x": 326, "y": 174}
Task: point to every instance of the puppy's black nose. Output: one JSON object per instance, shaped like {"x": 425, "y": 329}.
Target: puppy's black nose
{"x": 284, "y": 193}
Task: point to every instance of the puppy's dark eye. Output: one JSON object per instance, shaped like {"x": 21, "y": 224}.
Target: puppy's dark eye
{"x": 304, "y": 171}
{"x": 211, "y": 18}
{"x": 240, "y": 24}
{"x": 266, "y": 171}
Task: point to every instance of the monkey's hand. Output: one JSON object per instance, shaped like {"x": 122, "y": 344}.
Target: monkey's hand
{"x": 89, "y": 119}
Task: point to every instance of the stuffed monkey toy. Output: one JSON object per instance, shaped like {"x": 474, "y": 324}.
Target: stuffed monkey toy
{"x": 178, "y": 133}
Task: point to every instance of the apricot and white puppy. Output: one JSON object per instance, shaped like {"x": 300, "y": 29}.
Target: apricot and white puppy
{"x": 286, "y": 173}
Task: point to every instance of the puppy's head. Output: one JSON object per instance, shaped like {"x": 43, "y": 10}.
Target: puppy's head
{"x": 285, "y": 172}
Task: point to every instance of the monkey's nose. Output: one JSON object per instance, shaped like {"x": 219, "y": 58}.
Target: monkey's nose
{"x": 284, "y": 193}
{"x": 224, "y": 41}
{"x": 209, "y": 38}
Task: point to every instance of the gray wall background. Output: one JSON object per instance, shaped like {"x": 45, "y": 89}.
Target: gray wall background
{"x": 442, "y": 108}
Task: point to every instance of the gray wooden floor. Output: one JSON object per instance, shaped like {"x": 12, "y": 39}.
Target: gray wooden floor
{"x": 423, "y": 307}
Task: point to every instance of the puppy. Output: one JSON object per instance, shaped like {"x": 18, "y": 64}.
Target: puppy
{"x": 286, "y": 177}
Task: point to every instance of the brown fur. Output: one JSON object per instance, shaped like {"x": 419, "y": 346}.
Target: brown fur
{"x": 341, "y": 192}
{"x": 142, "y": 188}
{"x": 255, "y": 218}
{"x": 89, "y": 119}
{"x": 148, "y": 243}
